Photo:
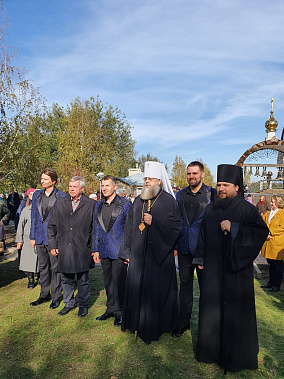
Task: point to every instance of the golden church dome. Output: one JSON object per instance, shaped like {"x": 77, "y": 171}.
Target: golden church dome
{"x": 271, "y": 124}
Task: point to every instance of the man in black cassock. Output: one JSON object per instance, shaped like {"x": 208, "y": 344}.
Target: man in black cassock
{"x": 152, "y": 227}
{"x": 231, "y": 237}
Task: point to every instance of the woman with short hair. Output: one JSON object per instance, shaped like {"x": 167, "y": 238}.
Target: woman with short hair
{"x": 273, "y": 248}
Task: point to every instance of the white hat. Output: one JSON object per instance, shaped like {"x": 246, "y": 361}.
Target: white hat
{"x": 158, "y": 171}
{"x": 93, "y": 196}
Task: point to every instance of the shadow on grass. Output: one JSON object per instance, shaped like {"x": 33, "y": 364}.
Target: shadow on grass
{"x": 270, "y": 331}
{"x": 9, "y": 272}
{"x": 37, "y": 344}
{"x": 96, "y": 284}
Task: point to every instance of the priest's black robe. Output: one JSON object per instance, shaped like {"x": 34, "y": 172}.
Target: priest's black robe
{"x": 151, "y": 302}
{"x": 227, "y": 332}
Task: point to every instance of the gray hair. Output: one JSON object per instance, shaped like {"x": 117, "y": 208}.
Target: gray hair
{"x": 82, "y": 180}
{"x": 279, "y": 201}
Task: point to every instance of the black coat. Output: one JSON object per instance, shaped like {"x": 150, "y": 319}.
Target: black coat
{"x": 150, "y": 302}
{"x": 227, "y": 289}
{"x": 72, "y": 234}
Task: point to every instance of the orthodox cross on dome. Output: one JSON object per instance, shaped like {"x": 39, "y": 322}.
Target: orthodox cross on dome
{"x": 271, "y": 124}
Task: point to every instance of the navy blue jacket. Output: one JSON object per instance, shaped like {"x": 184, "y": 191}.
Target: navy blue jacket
{"x": 107, "y": 243}
{"x": 189, "y": 235}
{"x": 38, "y": 230}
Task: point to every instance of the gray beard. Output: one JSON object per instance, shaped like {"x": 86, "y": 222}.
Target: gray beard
{"x": 149, "y": 193}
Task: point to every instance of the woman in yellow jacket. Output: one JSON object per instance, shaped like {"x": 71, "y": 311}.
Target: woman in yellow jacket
{"x": 273, "y": 248}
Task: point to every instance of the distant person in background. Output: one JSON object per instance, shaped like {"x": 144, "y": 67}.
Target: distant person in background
{"x": 24, "y": 203}
{"x": 16, "y": 204}
{"x": 4, "y": 216}
{"x": 13, "y": 202}
{"x": 10, "y": 205}
{"x": 262, "y": 205}
{"x": 93, "y": 196}
{"x": 246, "y": 189}
{"x": 28, "y": 256}
{"x": 4, "y": 198}
{"x": 249, "y": 199}
{"x": 273, "y": 248}
{"x": 27, "y": 200}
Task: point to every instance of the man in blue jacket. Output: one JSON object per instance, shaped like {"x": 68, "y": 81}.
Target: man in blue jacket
{"x": 42, "y": 204}
{"x": 192, "y": 202}
{"x": 110, "y": 215}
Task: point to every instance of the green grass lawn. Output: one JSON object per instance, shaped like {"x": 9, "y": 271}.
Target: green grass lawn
{"x": 35, "y": 343}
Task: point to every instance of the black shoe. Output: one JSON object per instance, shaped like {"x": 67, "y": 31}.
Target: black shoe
{"x": 40, "y": 300}
{"x": 179, "y": 331}
{"x": 117, "y": 321}
{"x": 82, "y": 312}
{"x": 54, "y": 304}
{"x": 274, "y": 289}
{"x": 64, "y": 311}
{"x": 105, "y": 316}
{"x": 267, "y": 286}
{"x": 31, "y": 284}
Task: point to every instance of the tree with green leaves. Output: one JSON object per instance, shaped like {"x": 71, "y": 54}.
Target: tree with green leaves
{"x": 179, "y": 172}
{"x": 95, "y": 138}
{"x": 20, "y": 102}
{"x": 208, "y": 177}
{"x": 145, "y": 158}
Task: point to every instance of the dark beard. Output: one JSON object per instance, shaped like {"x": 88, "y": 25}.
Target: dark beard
{"x": 149, "y": 193}
{"x": 223, "y": 203}
{"x": 194, "y": 185}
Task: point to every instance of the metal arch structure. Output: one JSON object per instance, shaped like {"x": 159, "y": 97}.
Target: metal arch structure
{"x": 273, "y": 144}
{"x": 271, "y": 148}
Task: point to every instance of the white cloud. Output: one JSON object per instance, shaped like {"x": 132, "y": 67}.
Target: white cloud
{"x": 186, "y": 73}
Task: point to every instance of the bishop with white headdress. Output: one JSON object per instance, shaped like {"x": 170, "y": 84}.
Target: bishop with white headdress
{"x": 152, "y": 227}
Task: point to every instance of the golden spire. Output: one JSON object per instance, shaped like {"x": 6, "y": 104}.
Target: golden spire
{"x": 271, "y": 124}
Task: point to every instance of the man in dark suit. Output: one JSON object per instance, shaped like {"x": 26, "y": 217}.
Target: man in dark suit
{"x": 42, "y": 204}
{"x": 192, "y": 202}
{"x": 70, "y": 238}
{"x": 110, "y": 215}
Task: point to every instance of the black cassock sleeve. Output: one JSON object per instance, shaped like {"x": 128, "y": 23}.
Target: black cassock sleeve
{"x": 165, "y": 229}
{"x": 246, "y": 240}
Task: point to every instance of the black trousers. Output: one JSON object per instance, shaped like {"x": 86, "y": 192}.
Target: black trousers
{"x": 275, "y": 272}
{"x": 68, "y": 286}
{"x": 186, "y": 274}
{"x": 114, "y": 271}
{"x": 50, "y": 277}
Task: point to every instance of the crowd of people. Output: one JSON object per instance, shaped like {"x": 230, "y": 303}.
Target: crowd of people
{"x": 213, "y": 232}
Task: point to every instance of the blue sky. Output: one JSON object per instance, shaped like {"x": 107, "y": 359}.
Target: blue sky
{"x": 194, "y": 78}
